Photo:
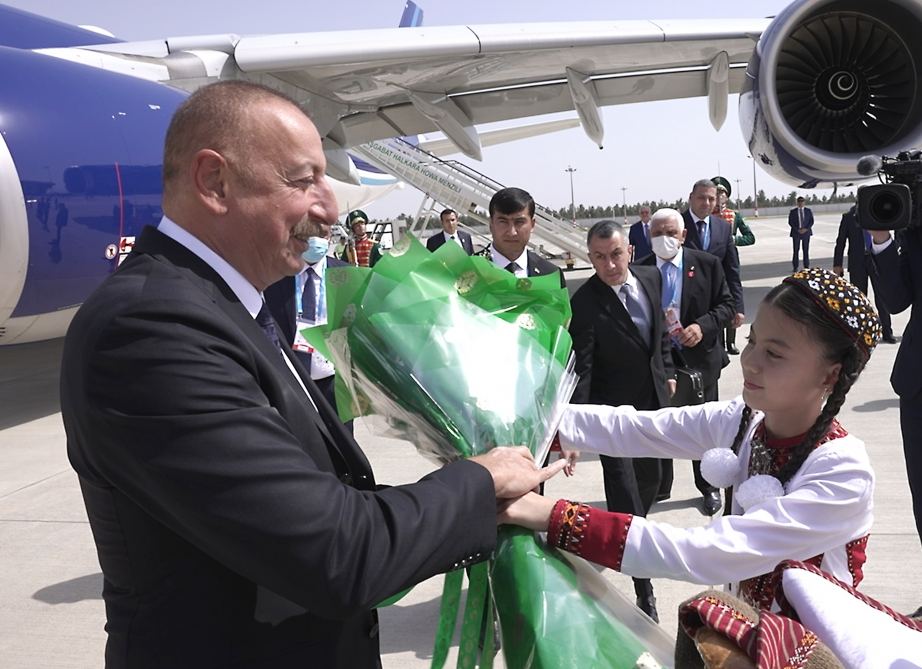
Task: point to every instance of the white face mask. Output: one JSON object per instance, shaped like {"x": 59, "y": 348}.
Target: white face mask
{"x": 665, "y": 247}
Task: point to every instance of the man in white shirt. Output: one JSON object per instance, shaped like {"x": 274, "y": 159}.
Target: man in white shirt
{"x": 450, "y": 233}
{"x": 512, "y": 219}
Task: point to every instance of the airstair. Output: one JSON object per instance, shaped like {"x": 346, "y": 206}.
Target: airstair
{"x": 448, "y": 183}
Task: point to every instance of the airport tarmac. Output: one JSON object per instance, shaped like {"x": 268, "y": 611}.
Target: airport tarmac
{"x": 51, "y": 611}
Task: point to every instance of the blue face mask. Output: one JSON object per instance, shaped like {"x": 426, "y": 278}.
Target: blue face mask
{"x": 316, "y": 249}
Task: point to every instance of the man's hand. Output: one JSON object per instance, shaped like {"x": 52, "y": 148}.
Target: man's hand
{"x": 671, "y": 385}
{"x": 691, "y": 336}
{"x": 738, "y": 320}
{"x": 531, "y": 511}
{"x": 514, "y": 470}
{"x": 837, "y": 270}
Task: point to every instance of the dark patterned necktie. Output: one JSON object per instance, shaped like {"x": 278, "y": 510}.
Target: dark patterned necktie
{"x": 267, "y": 323}
{"x": 512, "y": 267}
{"x": 309, "y": 296}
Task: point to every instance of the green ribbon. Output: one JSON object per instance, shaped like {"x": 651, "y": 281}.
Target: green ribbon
{"x": 448, "y": 613}
{"x": 477, "y": 620}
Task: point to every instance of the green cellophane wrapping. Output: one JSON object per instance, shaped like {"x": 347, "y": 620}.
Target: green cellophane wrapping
{"x": 460, "y": 356}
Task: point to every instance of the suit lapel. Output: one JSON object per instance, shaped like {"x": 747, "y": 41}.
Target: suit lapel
{"x": 616, "y": 311}
{"x": 154, "y": 242}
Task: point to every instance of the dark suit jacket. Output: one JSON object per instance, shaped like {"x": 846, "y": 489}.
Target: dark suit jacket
{"x": 613, "y": 362}
{"x": 850, "y": 233}
{"x": 637, "y": 239}
{"x": 794, "y": 222}
{"x": 436, "y": 240}
{"x": 209, "y": 481}
{"x": 899, "y": 269}
{"x": 706, "y": 300}
{"x": 721, "y": 245}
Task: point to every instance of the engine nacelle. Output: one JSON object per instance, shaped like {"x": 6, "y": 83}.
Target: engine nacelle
{"x": 831, "y": 81}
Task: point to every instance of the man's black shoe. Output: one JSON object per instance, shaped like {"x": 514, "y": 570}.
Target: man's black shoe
{"x": 917, "y": 613}
{"x": 711, "y": 503}
{"x": 888, "y": 339}
{"x": 662, "y": 497}
{"x": 647, "y": 604}
{"x": 732, "y": 350}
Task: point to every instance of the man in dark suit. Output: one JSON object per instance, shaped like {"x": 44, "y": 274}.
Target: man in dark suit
{"x": 697, "y": 304}
{"x": 800, "y": 220}
{"x": 298, "y": 302}
{"x": 859, "y": 243}
{"x": 623, "y": 356}
{"x": 706, "y": 231}
{"x": 639, "y": 235}
{"x": 899, "y": 265}
{"x": 450, "y": 233}
{"x": 512, "y": 218}
{"x": 237, "y": 523}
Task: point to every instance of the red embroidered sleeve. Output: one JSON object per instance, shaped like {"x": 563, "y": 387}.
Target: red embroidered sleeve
{"x": 593, "y": 534}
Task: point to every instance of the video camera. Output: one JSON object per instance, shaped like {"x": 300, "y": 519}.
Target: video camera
{"x": 896, "y": 203}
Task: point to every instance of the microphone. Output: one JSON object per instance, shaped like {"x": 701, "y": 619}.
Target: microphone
{"x": 869, "y": 165}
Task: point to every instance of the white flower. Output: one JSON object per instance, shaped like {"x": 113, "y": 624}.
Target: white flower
{"x": 720, "y": 467}
{"x": 757, "y": 489}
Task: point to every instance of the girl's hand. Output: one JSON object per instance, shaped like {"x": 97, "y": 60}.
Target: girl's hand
{"x": 530, "y": 510}
{"x": 571, "y": 457}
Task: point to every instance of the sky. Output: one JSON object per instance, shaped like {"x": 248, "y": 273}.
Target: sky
{"x": 653, "y": 150}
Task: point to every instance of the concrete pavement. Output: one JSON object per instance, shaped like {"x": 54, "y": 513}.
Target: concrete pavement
{"x": 51, "y": 611}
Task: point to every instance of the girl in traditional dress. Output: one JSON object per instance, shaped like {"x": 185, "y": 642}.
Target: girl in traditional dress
{"x": 800, "y": 486}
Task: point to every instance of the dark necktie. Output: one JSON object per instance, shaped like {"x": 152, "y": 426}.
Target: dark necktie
{"x": 267, "y": 323}
{"x": 512, "y": 267}
{"x": 309, "y": 296}
{"x": 703, "y": 235}
{"x": 635, "y": 310}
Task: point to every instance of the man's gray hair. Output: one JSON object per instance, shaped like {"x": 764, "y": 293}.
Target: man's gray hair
{"x": 666, "y": 213}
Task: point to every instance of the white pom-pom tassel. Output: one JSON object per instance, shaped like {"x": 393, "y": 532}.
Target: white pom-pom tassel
{"x": 756, "y": 490}
{"x": 720, "y": 467}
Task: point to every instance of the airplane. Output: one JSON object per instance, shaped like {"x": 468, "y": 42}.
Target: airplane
{"x": 83, "y": 115}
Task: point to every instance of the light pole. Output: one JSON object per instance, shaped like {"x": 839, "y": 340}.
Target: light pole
{"x": 755, "y": 189}
{"x": 624, "y": 202}
{"x": 571, "y": 170}
{"x": 737, "y": 193}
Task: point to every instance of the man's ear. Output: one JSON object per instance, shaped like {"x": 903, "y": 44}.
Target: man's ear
{"x": 209, "y": 174}
{"x": 682, "y": 236}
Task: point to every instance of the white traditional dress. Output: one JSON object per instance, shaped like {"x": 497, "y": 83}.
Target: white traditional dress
{"x": 822, "y": 518}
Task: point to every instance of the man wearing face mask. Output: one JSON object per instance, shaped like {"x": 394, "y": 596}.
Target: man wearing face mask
{"x": 697, "y": 304}
{"x": 299, "y": 301}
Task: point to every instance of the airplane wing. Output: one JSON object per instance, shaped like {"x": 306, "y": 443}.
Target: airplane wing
{"x": 366, "y": 85}
{"x": 445, "y": 147}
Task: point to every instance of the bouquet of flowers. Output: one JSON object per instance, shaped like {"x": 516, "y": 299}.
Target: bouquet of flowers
{"x": 460, "y": 356}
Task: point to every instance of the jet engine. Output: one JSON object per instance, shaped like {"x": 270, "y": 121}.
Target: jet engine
{"x": 831, "y": 81}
